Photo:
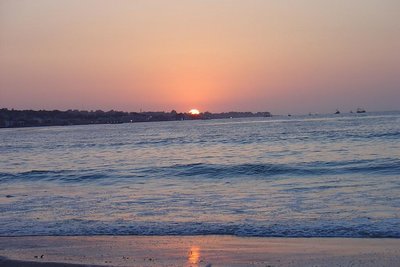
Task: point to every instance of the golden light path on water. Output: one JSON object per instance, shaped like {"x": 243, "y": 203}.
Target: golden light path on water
{"x": 194, "y": 256}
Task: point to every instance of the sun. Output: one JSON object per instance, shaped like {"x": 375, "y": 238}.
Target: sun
{"x": 194, "y": 111}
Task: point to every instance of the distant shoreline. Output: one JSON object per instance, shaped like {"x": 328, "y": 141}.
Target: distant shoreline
{"x": 10, "y": 118}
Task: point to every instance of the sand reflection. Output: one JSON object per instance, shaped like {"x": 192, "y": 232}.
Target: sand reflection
{"x": 194, "y": 255}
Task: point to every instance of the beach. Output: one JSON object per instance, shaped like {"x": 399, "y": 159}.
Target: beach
{"x": 196, "y": 251}
{"x": 199, "y": 133}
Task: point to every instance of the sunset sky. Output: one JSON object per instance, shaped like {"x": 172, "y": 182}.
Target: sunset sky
{"x": 282, "y": 56}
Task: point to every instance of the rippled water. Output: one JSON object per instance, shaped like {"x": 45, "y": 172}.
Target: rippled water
{"x": 299, "y": 176}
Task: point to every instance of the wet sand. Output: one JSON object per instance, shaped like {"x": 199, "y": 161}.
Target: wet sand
{"x": 197, "y": 251}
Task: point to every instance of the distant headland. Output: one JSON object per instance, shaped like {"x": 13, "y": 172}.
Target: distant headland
{"x": 11, "y": 118}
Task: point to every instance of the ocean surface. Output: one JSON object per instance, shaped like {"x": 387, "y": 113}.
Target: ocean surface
{"x": 303, "y": 176}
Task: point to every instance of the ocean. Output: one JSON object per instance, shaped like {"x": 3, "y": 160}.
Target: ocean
{"x": 299, "y": 176}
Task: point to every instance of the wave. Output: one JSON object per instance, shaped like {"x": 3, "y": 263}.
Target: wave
{"x": 361, "y": 228}
{"x": 53, "y": 175}
{"x": 384, "y": 166}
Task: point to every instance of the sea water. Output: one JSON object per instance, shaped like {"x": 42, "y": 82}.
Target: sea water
{"x": 299, "y": 176}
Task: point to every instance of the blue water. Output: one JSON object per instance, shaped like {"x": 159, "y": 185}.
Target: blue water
{"x": 305, "y": 176}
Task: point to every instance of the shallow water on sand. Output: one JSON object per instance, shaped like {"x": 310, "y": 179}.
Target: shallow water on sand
{"x": 299, "y": 177}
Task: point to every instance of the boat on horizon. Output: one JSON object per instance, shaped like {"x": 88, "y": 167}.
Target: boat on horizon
{"x": 360, "y": 110}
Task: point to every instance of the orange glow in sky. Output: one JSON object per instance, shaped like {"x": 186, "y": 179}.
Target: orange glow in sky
{"x": 281, "y": 56}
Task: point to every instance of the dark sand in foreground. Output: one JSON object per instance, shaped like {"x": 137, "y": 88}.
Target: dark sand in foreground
{"x": 197, "y": 251}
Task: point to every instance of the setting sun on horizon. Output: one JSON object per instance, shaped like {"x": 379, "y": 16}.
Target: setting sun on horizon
{"x": 194, "y": 111}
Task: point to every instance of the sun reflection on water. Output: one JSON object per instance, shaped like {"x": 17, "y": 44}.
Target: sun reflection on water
{"x": 194, "y": 256}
